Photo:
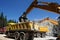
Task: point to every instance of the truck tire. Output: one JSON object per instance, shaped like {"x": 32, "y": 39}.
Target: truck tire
{"x": 26, "y": 36}
{"x": 17, "y": 35}
{"x": 38, "y": 34}
{"x": 22, "y": 36}
{"x": 58, "y": 39}
{"x": 31, "y": 36}
{"x": 43, "y": 34}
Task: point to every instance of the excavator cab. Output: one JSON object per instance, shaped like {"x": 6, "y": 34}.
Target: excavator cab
{"x": 23, "y": 18}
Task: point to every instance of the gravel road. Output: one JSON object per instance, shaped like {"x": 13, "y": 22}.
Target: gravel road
{"x": 3, "y": 37}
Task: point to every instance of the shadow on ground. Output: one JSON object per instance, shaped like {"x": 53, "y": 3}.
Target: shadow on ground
{"x": 9, "y": 37}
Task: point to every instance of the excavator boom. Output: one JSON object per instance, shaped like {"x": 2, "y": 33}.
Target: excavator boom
{"x": 53, "y": 7}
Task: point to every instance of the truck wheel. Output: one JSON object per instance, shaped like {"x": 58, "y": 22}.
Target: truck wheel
{"x": 38, "y": 34}
{"x": 26, "y": 36}
{"x": 17, "y": 36}
{"x": 22, "y": 36}
{"x": 58, "y": 39}
{"x": 31, "y": 36}
{"x": 43, "y": 34}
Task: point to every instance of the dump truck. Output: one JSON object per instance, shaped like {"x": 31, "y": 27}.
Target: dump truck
{"x": 24, "y": 30}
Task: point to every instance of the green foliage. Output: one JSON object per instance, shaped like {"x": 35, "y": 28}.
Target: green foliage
{"x": 3, "y": 20}
{"x": 11, "y": 21}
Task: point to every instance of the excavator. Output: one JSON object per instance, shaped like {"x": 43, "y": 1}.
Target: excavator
{"x": 27, "y": 30}
{"x": 49, "y": 6}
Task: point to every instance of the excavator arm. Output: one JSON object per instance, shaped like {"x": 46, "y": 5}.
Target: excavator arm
{"x": 53, "y": 7}
{"x": 23, "y": 17}
{"x": 31, "y": 6}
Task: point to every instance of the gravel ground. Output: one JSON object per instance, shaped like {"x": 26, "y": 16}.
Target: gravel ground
{"x": 3, "y": 37}
{"x": 46, "y": 38}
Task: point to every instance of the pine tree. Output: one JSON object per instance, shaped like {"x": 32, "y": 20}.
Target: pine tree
{"x": 3, "y": 20}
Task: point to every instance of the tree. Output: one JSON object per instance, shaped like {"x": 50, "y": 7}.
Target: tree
{"x": 3, "y": 20}
{"x": 11, "y": 21}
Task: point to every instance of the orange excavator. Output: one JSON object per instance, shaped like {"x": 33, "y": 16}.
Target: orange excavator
{"x": 49, "y": 6}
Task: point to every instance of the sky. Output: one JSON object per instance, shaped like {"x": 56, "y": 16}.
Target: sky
{"x": 13, "y": 9}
